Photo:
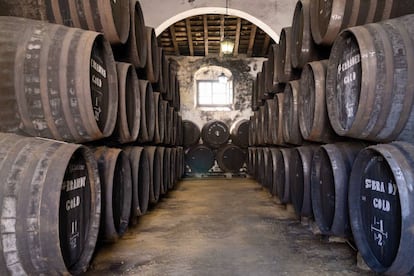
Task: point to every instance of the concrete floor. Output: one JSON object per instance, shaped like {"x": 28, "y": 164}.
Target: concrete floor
{"x": 222, "y": 227}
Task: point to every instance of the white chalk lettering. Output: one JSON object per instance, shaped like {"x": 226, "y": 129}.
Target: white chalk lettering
{"x": 349, "y": 63}
{"x": 96, "y": 80}
{"x": 98, "y": 68}
{"x": 381, "y": 204}
{"x": 73, "y": 203}
{"x": 74, "y": 184}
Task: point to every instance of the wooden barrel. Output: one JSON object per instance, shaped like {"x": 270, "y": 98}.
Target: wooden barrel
{"x": 239, "y": 133}
{"x": 371, "y": 96}
{"x": 291, "y": 131}
{"x": 173, "y": 171}
{"x": 152, "y": 69}
{"x": 264, "y": 130}
{"x": 166, "y": 171}
{"x": 300, "y": 180}
{"x": 50, "y": 199}
{"x": 160, "y": 118}
{"x": 260, "y": 88}
{"x": 313, "y": 115}
{"x": 215, "y": 133}
{"x": 173, "y": 120}
{"x": 179, "y": 163}
{"x": 199, "y": 158}
{"x": 135, "y": 49}
{"x": 254, "y": 98}
{"x": 115, "y": 173}
{"x": 251, "y": 160}
{"x": 129, "y": 104}
{"x": 230, "y": 158}
{"x": 191, "y": 133}
{"x": 279, "y": 98}
{"x": 168, "y": 124}
{"x": 282, "y": 178}
{"x": 159, "y": 85}
{"x": 155, "y": 165}
{"x": 260, "y": 164}
{"x": 328, "y": 18}
{"x": 304, "y": 49}
{"x": 160, "y": 173}
{"x": 273, "y": 173}
{"x": 331, "y": 168}
{"x": 284, "y": 69}
{"x": 147, "y": 129}
{"x": 140, "y": 171}
{"x": 271, "y": 110}
{"x": 72, "y": 92}
{"x": 180, "y": 135}
{"x": 381, "y": 207}
{"x": 108, "y": 17}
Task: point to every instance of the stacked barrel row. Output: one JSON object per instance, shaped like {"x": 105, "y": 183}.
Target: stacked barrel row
{"x": 337, "y": 141}
{"x": 102, "y": 82}
{"x": 215, "y": 142}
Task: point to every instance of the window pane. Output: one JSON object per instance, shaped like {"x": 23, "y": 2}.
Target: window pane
{"x": 214, "y": 93}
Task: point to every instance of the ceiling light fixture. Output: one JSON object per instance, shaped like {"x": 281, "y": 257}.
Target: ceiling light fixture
{"x": 226, "y": 44}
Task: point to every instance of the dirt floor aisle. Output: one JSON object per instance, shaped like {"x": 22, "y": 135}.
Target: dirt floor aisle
{"x": 222, "y": 227}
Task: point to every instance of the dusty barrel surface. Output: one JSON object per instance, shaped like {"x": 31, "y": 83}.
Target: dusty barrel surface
{"x": 304, "y": 49}
{"x": 291, "y": 131}
{"x": 135, "y": 49}
{"x": 72, "y": 92}
{"x": 330, "y": 17}
{"x": 279, "y": 98}
{"x": 331, "y": 168}
{"x": 284, "y": 70}
{"x": 108, "y": 17}
{"x": 160, "y": 118}
{"x": 370, "y": 96}
{"x": 282, "y": 178}
{"x": 115, "y": 173}
{"x": 231, "y": 158}
{"x": 215, "y": 133}
{"x": 140, "y": 172}
{"x": 381, "y": 206}
{"x": 300, "y": 180}
{"x": 199, "y": 158}
{"x": 191, "y": 133}
{"x": 152, "y": 69}
{"x": 50, "y": 201}
{"x": 313, "y": 115}
{"x": 239, "y": 133}
{"x": 155, "y": 166}
{"x": 129, "y": 104}
{"x": 147, "y": 125}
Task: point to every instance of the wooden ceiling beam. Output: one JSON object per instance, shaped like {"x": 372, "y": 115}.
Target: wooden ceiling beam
{"x": 221, "y": 30}
{"x": 205, "y": 35}
{"x": 251, "y": 40}
{"x": 189, "y": 36}
{"x": 237, "y": 39}
{"x": 174, "y": 40}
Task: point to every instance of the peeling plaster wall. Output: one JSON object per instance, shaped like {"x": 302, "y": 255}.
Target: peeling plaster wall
{"x": 270, "y": 15}
{"x": 244, "y": 72}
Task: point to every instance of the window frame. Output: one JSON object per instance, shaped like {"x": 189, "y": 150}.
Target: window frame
{"x": 229, "y": 94}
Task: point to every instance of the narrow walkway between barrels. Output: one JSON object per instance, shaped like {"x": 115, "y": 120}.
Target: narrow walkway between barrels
{"x": 222, "y": 227}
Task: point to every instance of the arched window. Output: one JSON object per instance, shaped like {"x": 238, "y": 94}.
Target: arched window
{"x": 214, "y": 86}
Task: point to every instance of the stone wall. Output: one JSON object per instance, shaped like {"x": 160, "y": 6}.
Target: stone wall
{"x": 244, "y": 72}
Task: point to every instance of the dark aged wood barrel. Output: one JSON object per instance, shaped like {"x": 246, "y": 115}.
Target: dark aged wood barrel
{"x": 135, "y": 49}
{"x": 215, "y": 133}
{"x": 313, "y": 115}
{"x": 191, "y": 133}
{"x": 264, "y": 130}
{"x": 272, "y": 111}
{"x": 161, "y": 151}
{"x": 279, "y": 119}
{"x": 147, "y": 128}
{"x": 230, "y": 158}
{"x": 275, "y": 157}
{"x": 72, "y": 92}
{"x": 304, "y": 49}
{"x": 300, "y": 180}
{"x": 370, "y": 96}
{"x": 291, "y": 131}
{"x": 239, "y": 133}
{"x": 174, "y": 119}
{"x": 140, "y": 171}
{"x": 328, "y": 18}
{"x": 168, "y": 122}
{"x": 108, "y": 17}
{"x": 160, "y": 172}
{"x": 50, "y": 199}
{"x": 199, "y": 158}
{"x": 252, "y": 130}
{"x": 266, "y": 170}
{"x": 260, "y": 164}
{"x": 115, "y": 174}
{"x": 129, "y": 104}
{"x": 155, "y": 163}
{"x": 274, "y": 86}
{"x": 282, "y": 178}
{"x": 152, "y": 69}
{"x": 251, "y": 155}
{"x": 173, "y": 172}
{"x": 331, "y": 167}
{"x": 160, "y": 118}
{"x": 260, "y": 88}
{"x": 179, "y": 162}
{"x": 284, "y": 69}
{"x": 167, "y": 170}
{"x": 180, "y": 137}
{"x": 381, "y": 207}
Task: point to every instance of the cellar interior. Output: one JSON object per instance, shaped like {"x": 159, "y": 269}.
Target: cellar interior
{"x": 206, "y": 137}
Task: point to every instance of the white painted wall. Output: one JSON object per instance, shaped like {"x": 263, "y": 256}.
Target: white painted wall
{"x": 270, "y": 15}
